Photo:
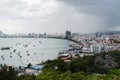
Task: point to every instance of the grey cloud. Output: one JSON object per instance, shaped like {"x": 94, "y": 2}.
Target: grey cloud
{"x": 108, "y": 10}
{"x": 58, "y": 15}
{"x": 10, "y": 7}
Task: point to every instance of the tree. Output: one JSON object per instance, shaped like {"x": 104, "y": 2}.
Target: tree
{"x": 8, "y": 73}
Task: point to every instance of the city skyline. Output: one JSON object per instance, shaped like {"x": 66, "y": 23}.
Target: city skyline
{"x": 56, "y": 16}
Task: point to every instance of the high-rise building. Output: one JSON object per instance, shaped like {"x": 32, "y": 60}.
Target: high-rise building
{"x": 1, "y": 33}
{"x": 98, "y": 34}
{"x": 68, "y": 34}
{"x": 97, "y": 48}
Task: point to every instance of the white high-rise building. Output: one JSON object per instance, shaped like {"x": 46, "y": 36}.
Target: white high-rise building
{"x": 97, "y": 48}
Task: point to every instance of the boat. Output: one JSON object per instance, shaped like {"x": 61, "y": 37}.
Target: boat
{"x": 40, "y": 42}
{"x": 28, "y": 54}
{"x": 14, "y": 50}
{"x": 5, "y": 48}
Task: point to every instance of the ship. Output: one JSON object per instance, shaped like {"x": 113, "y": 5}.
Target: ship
{"x": 5, "y": 48}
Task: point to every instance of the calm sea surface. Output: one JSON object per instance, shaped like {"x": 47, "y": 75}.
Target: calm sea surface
{"x": 30, "y": 50}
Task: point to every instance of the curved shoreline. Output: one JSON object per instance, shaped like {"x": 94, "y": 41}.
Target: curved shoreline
{"x": 63, "y": 39}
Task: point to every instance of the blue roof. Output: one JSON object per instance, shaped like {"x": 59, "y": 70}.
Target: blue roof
{"x": 37, "y": 67}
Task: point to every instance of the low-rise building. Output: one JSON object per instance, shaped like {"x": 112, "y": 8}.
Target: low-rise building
{"x": 32, "y": 70}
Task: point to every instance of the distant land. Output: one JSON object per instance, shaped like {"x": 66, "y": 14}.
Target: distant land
{"x": 48, "y": 35}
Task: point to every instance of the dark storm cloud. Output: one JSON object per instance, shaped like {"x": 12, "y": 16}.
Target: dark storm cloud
{"x": 108, "y": 10}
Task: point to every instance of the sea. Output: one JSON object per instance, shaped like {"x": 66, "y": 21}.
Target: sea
{"x": 30, "y": 50}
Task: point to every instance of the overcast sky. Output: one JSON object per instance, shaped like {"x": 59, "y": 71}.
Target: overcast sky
{"x": 56, "y": 16}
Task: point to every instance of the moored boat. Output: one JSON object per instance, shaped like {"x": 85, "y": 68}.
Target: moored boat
{"x": 5, "y": 48}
